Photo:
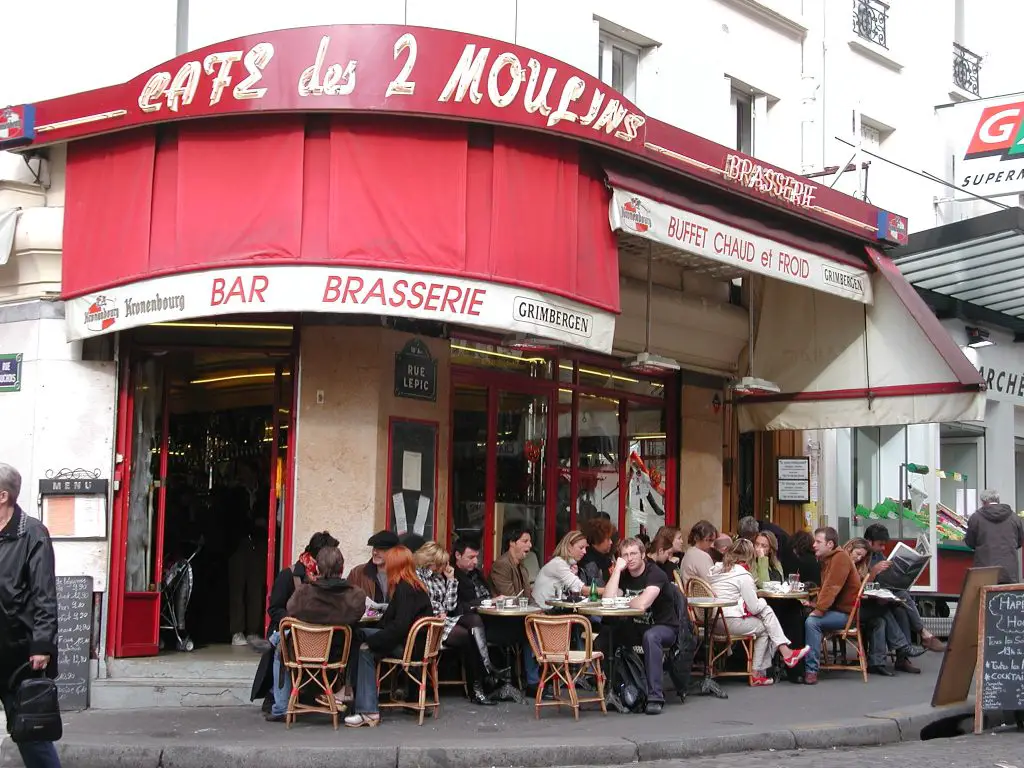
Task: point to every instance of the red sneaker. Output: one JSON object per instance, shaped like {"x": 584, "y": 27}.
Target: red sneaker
{"x": 796, "y": 657}
{"x": 756, "y": 681}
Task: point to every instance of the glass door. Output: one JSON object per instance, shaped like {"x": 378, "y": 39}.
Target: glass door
{"x": 499, "y": 467}
{"x": 143, "y": 504}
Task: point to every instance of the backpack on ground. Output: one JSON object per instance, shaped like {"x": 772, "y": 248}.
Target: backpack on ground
{"x": 629, "y": 680}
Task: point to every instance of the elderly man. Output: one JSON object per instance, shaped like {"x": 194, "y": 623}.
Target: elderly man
{"x": 28, "y": 605}
{"x": 996, "y": 534}
{"x": 749, "y": 528}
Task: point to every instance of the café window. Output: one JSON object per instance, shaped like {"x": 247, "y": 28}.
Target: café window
{"x": 617, "y": 65}
{"x": 546, "y": 442}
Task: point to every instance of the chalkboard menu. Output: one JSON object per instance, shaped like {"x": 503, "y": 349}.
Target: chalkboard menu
{"x": 1001, "y": 649}
{"x": 74, "y": 634}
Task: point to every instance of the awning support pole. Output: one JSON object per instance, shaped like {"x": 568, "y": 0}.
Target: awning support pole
{"x": 650, "y": 290}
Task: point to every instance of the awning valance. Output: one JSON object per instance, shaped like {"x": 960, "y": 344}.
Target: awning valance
{"x": 841, "y": 364}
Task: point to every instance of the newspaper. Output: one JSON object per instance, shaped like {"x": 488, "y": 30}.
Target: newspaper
{"x": 907, "y": 566}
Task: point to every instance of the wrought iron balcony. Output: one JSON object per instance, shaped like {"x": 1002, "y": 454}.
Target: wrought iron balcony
{"x": 869, "y": 19}
{"x": 966, "y": 66}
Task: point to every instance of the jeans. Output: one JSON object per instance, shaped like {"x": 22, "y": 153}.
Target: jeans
{"x": 364, "y": 677}
{"x": 34, "y": 754}
{"x": 882, "y": 626}
{"x": 282, "y": 690}
{"x": 909, "y": 608}
{"x": 531, "y": 665}
{"x": 814, "y": 628}
{"x": 655, "y": 640}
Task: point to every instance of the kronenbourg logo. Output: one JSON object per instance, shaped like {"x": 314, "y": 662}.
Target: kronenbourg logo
{"x": 101, "y": 314}
{"x": 1000, "y": 131}
{"x": 11, "y": 126}
{"x": 636, "y": 216}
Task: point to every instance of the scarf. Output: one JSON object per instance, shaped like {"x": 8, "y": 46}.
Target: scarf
{"x": 310, "y": 563}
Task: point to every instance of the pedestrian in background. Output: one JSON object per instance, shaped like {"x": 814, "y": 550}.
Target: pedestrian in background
{"x": 996, "y": 534}
{"x": 28, "y": 606}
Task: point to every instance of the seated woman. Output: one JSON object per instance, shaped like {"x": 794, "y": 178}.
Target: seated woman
{"x": 596, "y": 565}
{"x": 561, "y": 572}
{"x": 799, "y": 558}
{"x": 731, "y": 580}
{"x": 665, "y": 548}
{"x": 408, "y": 601}
{"x": 697, "y": 561}
{"x": 768, "y": 567}
{"x": 462, "y": 631}
{"x": 879, "y": 621}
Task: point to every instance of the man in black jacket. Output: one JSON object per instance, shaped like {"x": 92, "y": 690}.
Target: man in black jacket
{"x": 28, "y": 606}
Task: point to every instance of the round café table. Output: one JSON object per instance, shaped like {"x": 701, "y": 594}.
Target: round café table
{"x": 711, "y": 606}
{"x": 516, "y": 612}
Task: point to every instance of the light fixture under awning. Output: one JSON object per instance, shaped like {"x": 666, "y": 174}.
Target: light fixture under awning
{"x": 696, "y": 234}
{"x": 841, "y": 364}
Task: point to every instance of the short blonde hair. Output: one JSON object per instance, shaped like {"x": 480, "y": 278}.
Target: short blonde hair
{"x": 570, "y": 540}
{"x": 431, "y": 555}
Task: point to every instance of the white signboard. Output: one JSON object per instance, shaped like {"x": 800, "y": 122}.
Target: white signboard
{"x": 986, "y": 139}
{"x": 794, "y": 480}
{"x": 693, "y": 233}
{"x": 341, "y": 290}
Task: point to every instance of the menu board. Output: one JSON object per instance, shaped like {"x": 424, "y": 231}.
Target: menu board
{"x": 74, "y": 639}
{"x": 1000, "y": 650}
{"x": 794, "y": 480}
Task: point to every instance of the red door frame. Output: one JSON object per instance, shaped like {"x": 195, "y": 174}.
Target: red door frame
{"x": 149, "y": 601}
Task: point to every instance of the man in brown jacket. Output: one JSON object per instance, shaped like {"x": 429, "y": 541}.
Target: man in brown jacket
{"x": 837, "y": 596}
{"x": 509, "y": 577}
{"x": 327, "y": 599}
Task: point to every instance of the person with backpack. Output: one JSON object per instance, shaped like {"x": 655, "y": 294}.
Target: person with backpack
{"x": 28, "y": 609}
{"x": 633, "y": 571}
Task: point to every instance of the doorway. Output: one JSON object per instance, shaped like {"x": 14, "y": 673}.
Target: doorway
{"x": 205, "y": 447}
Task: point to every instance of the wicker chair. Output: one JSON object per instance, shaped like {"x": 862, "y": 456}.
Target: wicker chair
{"x": 722, "y": 639}
{"x": 841, "y": 640}
{"x": 550, "y": 639}
{"x": 305, "y": 652}
{"x": 423, "y": 671}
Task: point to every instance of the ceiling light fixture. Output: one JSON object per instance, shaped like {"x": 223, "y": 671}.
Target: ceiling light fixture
{"x": 978, "y": 337}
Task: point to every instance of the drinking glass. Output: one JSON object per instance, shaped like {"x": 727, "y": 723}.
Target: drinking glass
{"x": 524, "y": 603}
{"x": 794, "y": 581}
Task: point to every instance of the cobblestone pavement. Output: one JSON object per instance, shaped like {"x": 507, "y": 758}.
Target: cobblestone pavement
{"x": 1002, "y": 749}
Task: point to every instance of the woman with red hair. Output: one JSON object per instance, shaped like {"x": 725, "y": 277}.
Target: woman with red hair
{"x": 407, "y": 601}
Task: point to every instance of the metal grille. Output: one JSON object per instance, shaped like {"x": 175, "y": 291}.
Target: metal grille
{"x": 869, "y": 20}
{"x": 966, "y": 66}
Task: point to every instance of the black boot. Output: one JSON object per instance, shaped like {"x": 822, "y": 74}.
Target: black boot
{"x": 477, "y": 696}
{"x": 494, "y": 676}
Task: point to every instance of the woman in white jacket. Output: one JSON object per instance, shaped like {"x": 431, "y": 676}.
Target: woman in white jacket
{"x": 560, "y": 572}
{"x": 731, "y": 580}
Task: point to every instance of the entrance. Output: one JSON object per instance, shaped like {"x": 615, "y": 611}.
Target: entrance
{"x": 204, "y": 449}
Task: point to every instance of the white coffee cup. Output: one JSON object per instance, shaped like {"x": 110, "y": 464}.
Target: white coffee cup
{"x": 486, "y": 603}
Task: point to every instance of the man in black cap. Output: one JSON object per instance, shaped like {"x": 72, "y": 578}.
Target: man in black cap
{"x": 371, "y": 577}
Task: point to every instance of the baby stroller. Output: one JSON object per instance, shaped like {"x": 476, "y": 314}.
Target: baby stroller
{"x": 176, "y": 591}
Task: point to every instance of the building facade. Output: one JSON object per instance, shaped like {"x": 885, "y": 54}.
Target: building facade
{"x": 452, "y": 303}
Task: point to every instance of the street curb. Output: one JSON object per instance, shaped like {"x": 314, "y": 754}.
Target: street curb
{"x": 879, "y": 728}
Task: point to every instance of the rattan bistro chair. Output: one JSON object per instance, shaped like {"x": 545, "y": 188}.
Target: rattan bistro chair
{"x": 423, "y": 672}
{"x": 722, "y": 639}
{"x": 306, "y": 653}
{"x": 841, "y": 640}
{"x": 550, "y": 639}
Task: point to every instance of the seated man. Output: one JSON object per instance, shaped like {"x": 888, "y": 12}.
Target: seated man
{"x": 509, "y": 578}
{"x": 837, "y": 596}
{"x": 633, "y": 571}
{"x": 909, "y": 618}
{"x": 327, "y": 599}
{"x": 372, "y": 577}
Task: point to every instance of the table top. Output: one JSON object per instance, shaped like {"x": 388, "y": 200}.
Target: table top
{"x": 708, "y": 603}
{"x": 767, "y": 595}
{"x": 494, "y": 611}
{"x": 596, "y": 609}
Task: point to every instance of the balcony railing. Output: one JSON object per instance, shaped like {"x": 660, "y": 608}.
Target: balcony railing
{"x": 869, "y": 18}
{"x": 966, "y": 66}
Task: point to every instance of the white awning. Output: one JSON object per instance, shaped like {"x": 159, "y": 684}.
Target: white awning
{"x": 8, "y": 223}
{"x": 842, "y": 364}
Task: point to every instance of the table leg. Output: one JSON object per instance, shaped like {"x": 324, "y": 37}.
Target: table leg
{"x": 707, "y": 685}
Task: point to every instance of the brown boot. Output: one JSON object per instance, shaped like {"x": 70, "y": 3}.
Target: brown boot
{"x": 934, "y": 644}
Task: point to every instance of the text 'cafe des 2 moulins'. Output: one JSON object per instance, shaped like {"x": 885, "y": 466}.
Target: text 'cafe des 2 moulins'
{"x": 407, "y": 277}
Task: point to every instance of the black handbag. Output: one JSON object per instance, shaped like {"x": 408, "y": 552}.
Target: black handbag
{"x": 36, "y": 709}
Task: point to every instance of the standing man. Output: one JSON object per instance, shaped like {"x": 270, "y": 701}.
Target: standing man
{"x": 28, "y": 605}
{"x": 634, "y": 571}
{"x": 996, "y": 534}
{"x": 837, "y": 596}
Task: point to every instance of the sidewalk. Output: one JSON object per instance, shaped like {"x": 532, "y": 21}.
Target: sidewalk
{"x": 840, "y": 711}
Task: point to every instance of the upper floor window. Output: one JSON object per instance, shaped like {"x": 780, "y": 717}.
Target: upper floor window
{"x": 869, "y": 20}
{"x": 617, "y": 65}
{"x": 743, "y": 110}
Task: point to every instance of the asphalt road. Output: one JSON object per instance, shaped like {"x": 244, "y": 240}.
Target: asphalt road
{"x": 1002, "y": 749}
